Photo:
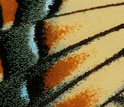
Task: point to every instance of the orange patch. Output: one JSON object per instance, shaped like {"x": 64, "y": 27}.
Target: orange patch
{"x": 62, "y": 69}
{"x": 84, "y": 99}
{"x": 9, "y": 8}
{"x": 55, "y": 33}
{"x": 1, "y": 68}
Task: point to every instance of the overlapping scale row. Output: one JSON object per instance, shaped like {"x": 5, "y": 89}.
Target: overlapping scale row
{"x": 80, "y": 52}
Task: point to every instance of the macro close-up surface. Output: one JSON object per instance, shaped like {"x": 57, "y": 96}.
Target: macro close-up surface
{"x": 61, "y": 53}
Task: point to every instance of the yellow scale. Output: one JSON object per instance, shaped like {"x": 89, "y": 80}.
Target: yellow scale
{"x": 71, "y": 29}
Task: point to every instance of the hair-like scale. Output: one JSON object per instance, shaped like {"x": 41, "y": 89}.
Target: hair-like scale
{"x": 19, "y": 50}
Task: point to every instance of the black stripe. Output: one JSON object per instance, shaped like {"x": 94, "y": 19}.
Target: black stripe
{"x": 1, "y": 18}
{"x": 114, "y": 98}
{"x": 70, "y": 48}
{"x": 89, "y": 9}
{"x": 74, "y": 82}
{"x": 50, "y": 60}
{"x": 40, "y": 39}
{"x": 55, "y": 7}
{"x": 18, "y": 14}
{"x": 32, "y": 72}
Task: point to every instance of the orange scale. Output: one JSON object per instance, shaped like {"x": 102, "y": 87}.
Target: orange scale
{"x": 9, "y": 8}
{"x": 62, "y": 69}
{"x": 1, "y": 68}
{"x": 55, "y": 33}
{"x": 84, "y": 99}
